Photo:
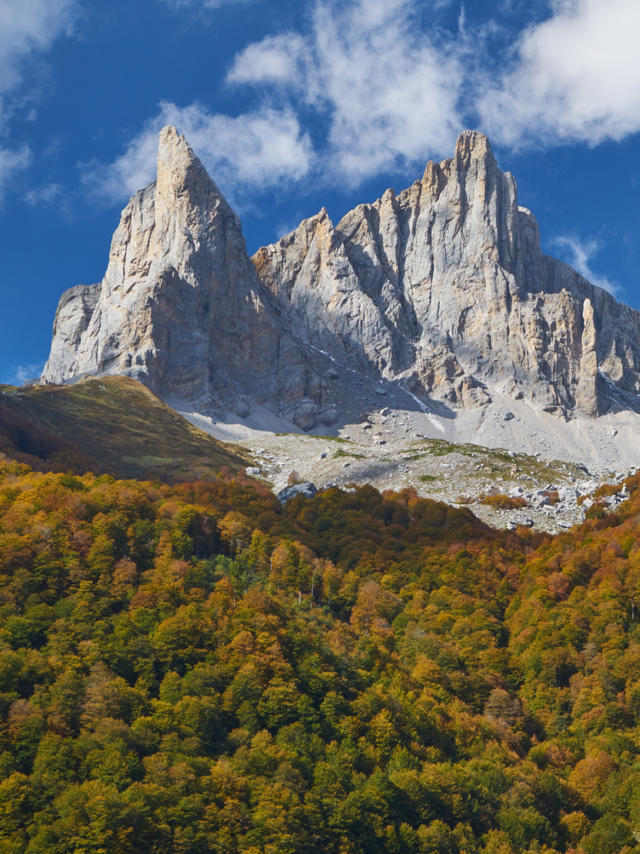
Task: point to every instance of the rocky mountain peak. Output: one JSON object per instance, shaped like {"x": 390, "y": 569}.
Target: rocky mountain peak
{"x": 177, "y": 164}
{"x": 473, "y": 145}
{"x": 183, "y": 181}
{"x": 180, "y": 306}
{"x": 440, "y": 290}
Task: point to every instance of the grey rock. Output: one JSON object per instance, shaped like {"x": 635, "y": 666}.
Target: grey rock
{"x": 442, "y": 287}
{"x": 329, "y": 416}
{"x": 305, "y": 415}
{"x": 527, "y": 522}
{"x": 306, "y": 489}
{"x": 180, "y": 307}
{"x": 243, "y": 409}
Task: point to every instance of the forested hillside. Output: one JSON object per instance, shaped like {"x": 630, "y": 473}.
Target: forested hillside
{"x": 198, "y": 669}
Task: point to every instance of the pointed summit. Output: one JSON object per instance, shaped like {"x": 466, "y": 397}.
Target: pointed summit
{"x": 170, "y": 140}
{"x": 173, "y": 147}
{"x": 473, "y": 145}
{"x": 179, "y": 169}
{"x": 180, "y": 306}
{"x": 183, "y": 183}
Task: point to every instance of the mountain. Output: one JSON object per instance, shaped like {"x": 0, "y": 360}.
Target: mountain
{"x": 112, "y": 425}
{"x": 445, "y": 287}
{"x": 439, "y": 297}
{"x": 180, "y": 307}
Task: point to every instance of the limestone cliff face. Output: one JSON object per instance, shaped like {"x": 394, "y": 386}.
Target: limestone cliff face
{"x": 180, "y": 307}
{"x": 442, "y": 287}
{"x": 445, "y": 286}
{"x": 75, "y": 309}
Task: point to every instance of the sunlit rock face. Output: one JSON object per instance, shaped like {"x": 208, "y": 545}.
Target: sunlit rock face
{"x": 445, "y": 285}
{"x": 180, "y": 307}
{"x": 442, "y": 287}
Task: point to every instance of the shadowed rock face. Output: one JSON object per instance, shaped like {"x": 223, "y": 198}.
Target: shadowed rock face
{"x": 442, "y": 286}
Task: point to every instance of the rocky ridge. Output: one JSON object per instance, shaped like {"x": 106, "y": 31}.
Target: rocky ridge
{"x": 445, "y": 288}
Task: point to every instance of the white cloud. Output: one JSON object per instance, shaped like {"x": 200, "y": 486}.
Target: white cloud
{"x": 11, "y": 163}
{"x": 388, "y": 91}
{"x": 280, "y": 60}
{"x": 202, "y": 4}
{"x": 575, "y": 77}
{"x": 254, "y": 150}
{"x": 45, "y": 195}
{"x": 27, "y": 28}
{"x": 580, "y": 255}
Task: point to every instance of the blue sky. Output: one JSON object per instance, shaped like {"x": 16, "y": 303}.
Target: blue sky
{"x": 298, "y": 105}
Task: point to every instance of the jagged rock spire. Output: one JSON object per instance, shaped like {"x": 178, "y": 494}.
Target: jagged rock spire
{"x": 180, "y": 306}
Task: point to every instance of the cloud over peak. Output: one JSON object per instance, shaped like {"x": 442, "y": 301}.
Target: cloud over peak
{"x": 369, "y": 86}
{"x": 384, "y": 91}
{"x": 255, "y": 149}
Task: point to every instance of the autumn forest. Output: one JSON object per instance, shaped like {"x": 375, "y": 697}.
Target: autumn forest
{"x": 196, "y": 668}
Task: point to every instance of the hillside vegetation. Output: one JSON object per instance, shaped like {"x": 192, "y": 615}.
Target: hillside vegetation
{"x": 111, "y": 425}
{"x": 198, "y": 669}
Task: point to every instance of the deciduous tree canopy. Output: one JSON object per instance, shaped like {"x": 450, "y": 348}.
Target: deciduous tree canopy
{"x": 197, "y": 669}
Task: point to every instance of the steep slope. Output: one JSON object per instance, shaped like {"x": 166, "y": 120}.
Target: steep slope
{"x": 111, "y": 425}
{"x": 180, "y": 307}
{"x": 444, "y": 286}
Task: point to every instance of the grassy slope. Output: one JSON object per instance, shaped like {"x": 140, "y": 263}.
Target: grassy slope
{"x": 109, "y": 425}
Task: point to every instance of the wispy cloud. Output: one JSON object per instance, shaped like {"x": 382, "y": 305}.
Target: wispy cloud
{"x": 21, "y": 374}
{"x": 202, "y": 4}
{"x": 47, "y": 194}
{"x": 12, "y": 162}
{"x": 386, "y": 91}
{"x": 28, "y": 28}
{"x": 580, "y": 253}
